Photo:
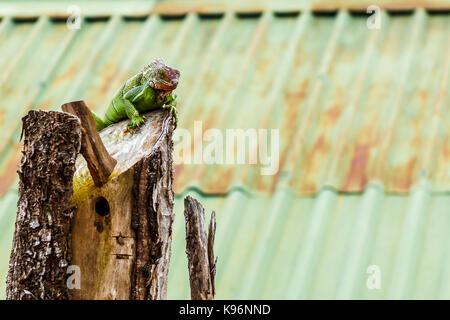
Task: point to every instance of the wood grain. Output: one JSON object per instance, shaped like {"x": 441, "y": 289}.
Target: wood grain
{"x": 125, "y": 254}
{"x": 200, "y": 250}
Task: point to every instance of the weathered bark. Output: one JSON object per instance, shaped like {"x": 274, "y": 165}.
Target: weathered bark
{"x": 41, "y": 247}
{"x": 122, "y": 230}
{"x": 211, "y": 260}
{"x": 99, "y": 162}
{"x": 200, "y": 250}
{"x": 152, "y": 220}
{"x": 118, "y": 235}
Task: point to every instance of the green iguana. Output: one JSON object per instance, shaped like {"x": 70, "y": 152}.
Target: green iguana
{"x": 148, "y": 90}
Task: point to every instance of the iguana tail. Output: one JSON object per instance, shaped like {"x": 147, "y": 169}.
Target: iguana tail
{"x": 98, "y": 121}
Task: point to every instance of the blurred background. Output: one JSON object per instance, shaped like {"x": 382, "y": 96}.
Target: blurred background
{"x": 362, "y": 111}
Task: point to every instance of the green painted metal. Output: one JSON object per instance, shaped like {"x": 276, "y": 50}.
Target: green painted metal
{"x": 364, "y": 134}
{"x": 326, "y": 82}
{"x": 8, "y": 208}
{"x": 314, "y": 247}
{"x": 291, "y": 247}
{"x": 250, "y": 6}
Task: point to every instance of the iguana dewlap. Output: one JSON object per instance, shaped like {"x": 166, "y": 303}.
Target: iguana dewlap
{"x": 148, "y": 90}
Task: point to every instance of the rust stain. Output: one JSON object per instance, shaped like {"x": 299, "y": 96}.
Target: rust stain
{"x": 314, "y": 162}
{"x": 308, "y": 188}
{"x": 106, "y": 83}
{"x": 289, "y": 123}
{"x": 45, "y": 105}
{"x": 68, "y": 75}
{"x": 357, "y": 172}
{"x": 416, "y": 142}
{"x": 178, "y": 169}
{"x": 292, "y": 110}
{"x": 178, "y": 173}
{"x": 10, "y": 171}
{"x": 333, "y": 113}
{"x": 320, "y": 145}
{"x": 220, "y": 181}
{"x": 366, "y": 134}
{"x": 403, "y": 176}
{"x": 273, "y": 184}
{"x": 2, "y": 117}
{"x": 424, "y": 97}
{"x": 446, "y": 149}
{"x": 294, "y": 102}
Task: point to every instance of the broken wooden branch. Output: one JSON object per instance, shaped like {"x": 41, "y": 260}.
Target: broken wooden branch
{"x": 41, "y": 250}
{"x": 200, "y": 250}
{"x": 99, "y": 162}
{"x": 117, "y": 235}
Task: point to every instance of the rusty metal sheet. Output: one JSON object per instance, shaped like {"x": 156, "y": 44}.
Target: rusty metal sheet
{"x": 252, "y": 6}
{"x": 26, "y": 9}
{"x": 362, "y": 116}
{"x": 353, "y": 106}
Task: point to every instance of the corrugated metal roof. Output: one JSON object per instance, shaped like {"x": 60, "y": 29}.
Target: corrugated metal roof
{"x": 314, "y": 247}
{"x": 291, "y": 247}
{"x": 8, "y": 208}
{"x": 364, "y": 138}
{"x": 214, "y": 6}
{"x": 291, "y": 73}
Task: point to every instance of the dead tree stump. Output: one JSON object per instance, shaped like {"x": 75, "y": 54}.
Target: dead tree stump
{"x": 41, "y": 246}
{"x": 200, "y": 250}
{"x": 118, "y": 235}
{"x": 122, "y": 231}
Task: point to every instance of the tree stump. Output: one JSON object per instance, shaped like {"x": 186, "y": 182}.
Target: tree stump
{"x": 122, "y": 231}
{"x": 200, "y": 250}
{"x": 119, "y": 240}
{"x": 41, "y": 246}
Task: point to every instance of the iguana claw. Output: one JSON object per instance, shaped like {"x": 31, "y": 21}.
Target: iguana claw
{"x": 174, "y": 111}
{"x": 172, "y": 108}
{"x": 136, "y": 122}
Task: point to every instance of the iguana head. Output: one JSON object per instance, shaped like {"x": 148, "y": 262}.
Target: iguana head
{"x": 160, "y": 76}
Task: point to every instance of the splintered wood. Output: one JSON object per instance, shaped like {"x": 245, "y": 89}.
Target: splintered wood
{"x": 99, "y": 162}
{"x": 200, "y": 250}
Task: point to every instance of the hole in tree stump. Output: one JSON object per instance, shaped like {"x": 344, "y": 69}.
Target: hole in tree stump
{"x": 102, "y": 206}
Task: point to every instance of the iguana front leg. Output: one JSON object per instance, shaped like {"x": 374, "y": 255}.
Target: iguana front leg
{"x": 130, "y": 110}
{"x": 171, "y": 105}
{"x": 133, "y": 115}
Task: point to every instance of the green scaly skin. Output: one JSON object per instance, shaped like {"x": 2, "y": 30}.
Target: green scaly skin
{"x": 148, "y": 90}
